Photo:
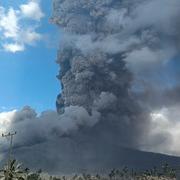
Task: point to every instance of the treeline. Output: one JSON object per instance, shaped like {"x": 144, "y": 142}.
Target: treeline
{"x": 14, "y": 171}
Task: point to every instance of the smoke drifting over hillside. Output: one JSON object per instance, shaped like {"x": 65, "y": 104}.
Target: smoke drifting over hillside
{"x": 115, "y": 58}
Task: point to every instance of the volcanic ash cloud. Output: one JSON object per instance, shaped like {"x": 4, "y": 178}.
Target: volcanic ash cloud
{"x": 107, "y": 49}
{"x": 113, "y": 58}
{"x": 93, "y": 72}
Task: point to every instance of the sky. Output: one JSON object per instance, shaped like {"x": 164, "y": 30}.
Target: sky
{"x": 28, "y": 48}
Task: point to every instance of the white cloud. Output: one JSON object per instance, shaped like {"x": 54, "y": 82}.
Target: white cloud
{"x": 9, "y": 23}
{"x": 31, "y": 36}
{"x": 5, "y": 120}
{"x": 18, "y": 28}
{"x": 13, "y": 47}
{"x": 164, "y": 133}
{"x": 32, "y": 10}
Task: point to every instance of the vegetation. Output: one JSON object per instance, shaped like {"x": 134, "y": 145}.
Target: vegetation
{"x": 15, "y": 172}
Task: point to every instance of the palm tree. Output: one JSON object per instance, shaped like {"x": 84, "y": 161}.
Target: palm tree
{"x": 13, "y": 172}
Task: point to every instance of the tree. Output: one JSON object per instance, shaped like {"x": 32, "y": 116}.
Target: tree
{"x": 13, "y": 172}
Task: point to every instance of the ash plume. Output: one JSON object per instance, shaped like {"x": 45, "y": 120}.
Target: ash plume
{"x": 124, "y": 49}
{"x": 93, "y": 71}
{"x": 115, "y": 75}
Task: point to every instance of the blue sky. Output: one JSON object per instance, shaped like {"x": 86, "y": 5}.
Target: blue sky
{"x": 28, "y": 75}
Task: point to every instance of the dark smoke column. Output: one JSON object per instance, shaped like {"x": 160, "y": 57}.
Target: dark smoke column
{"x": 92, "y": 78}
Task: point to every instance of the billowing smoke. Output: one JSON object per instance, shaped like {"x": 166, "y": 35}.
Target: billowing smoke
{"x": 119, "y": 85}
{"x": 42, "y": 140}
{"x": 93, "y": 72}
{"x": 120, "y": 55}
